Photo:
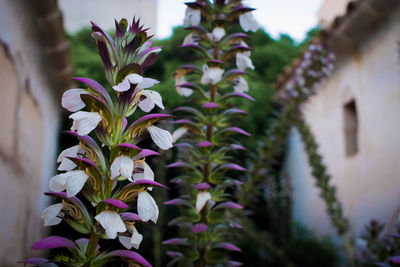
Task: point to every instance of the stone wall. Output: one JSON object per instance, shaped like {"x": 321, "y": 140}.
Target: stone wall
{"x": 30, "y": 117}
{"x": 368, "y": 182}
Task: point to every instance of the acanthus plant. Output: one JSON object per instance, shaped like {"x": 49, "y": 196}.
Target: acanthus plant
{"x": 111, "y": 174}
{"x": 208, "y": 223}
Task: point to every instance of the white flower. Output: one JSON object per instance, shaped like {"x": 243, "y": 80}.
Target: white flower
{"x": 178, "y": 133}
{"x": 217, "y": 34}
{"x": 180, "y": 79}
{"x": 240, "y": 85}
{"x": 134, "y": 240}
{"x": 211, "y": 75}
{"x": 84, "y": 122}
{"x": 71, "y": 99}
{"x": 67, "y": 164}
{"x": 192, "y": 17}
{"x": 50, "y": 215}
{"x": 151, "y": 99}
{"x": 122, "y": 166}
{"x": 248, "y": 22}
{"x": 147, "y": 173}
{"x": 72, "y": 182}
{"x": 243, "y": 61}
{"x": 161, "y": 138}
{"x": 111, "y": 222}
{"x": 202, "y": 198}
{"x": 191, "y": 38}
{"x": 147, "y": 83}
{"x": 132, "y": 78}
{"x": 147, "y": 207}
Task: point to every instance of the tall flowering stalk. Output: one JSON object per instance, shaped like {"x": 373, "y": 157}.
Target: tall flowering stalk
{"x": 218, "y": 76}
{"x": 110, "y": 174}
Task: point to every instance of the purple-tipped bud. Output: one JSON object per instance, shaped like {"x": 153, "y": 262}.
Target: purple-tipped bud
{"x": 148, "y": 183}
{"x": 235, "y": 111}
{"x": 204, "y": 144}
{"x": 238, "y": 147}
{"x": 174, "y": 254}
{"x": 237, "y": 130}
{"x": 178, "y": 164}
{"x": 183, "y": 145}
{"x": 53, "y": 242}
{"x": 176, "y": 201}
{"x": 198, "y": 228}
{"x": 176, "y": 241}
{"x": 233, "y": 166}
{"x": 210, "y": 105}
{"x": 150, "y": 117}
{"x": 202, "y": 186}
{"x": 238, "y": 183}
{"x": 183, "y": 121}
{"x": 147, "y": 153}
{"x": 36, "y": 261}
{"x": 235, "y": 225}
{"x": 235, "y": 263}
{"x": 238, "y": 94}
{"x": 228, "y": 246}
{"x": 116, "y": 203}
{"x": 395, "y": 259}
{"x": 129, "y": 146}
{"x": 230, "y": 205}
{"x": 130, "y": 255}
{"x": 129, "y": 216}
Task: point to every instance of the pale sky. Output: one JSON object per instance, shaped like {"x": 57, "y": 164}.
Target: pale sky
{"x": 294, "y": 17}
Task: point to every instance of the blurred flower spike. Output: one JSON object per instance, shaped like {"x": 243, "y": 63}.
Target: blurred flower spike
{"x": 108, "y": 169}
{"x": 206, "y": 130}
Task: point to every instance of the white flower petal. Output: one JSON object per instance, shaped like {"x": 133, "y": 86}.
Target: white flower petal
{"x": 243, "y": 61}
{"x": 212, "y": 75}
{"x": 240, "y": 85}
{"x": 136, "y": 238}
{"x": 50, "y": 214}
{"x": 111, "y": 222}
{"x": 178, "y": 133}
{"x": 75, "y": 182}
{"x": 57, "y": 183}
{"x": 147, "y": 173}
{"x": 161, "y": 137}
{"x": 71, "y": 99}
{"x": 180, "y": 79}
{"x": 85, "y": 122}
{"x": 134, "y": 78}
{"x": 192, "y": 17}
{"x": 191, "y": 38}
{"x": 147, "y": 83}
{"x": 218, "y": 33}
{"x": 248, "y": 22}
{"x": 122, "y": 86}
{"x": 202, "y": 198}
{"x": 67, "y": 164}
{"x": 125, "y": 241}
{"x": 122, "y": 166}
{"x": 152, "y": 97}
{"x": 147, "y": 207}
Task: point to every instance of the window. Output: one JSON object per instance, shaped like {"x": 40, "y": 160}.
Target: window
{"x": 351, "y": 127}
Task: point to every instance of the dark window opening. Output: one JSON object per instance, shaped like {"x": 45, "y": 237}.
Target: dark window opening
{"x": 351, "y": 127}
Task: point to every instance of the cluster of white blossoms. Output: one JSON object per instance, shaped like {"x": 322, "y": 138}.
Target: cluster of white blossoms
{"x": 72, "y": 181}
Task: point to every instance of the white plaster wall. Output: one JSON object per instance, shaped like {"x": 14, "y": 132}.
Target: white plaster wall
{"x": 28, "y": 164}
{"x": 368, "y": 183}
{"x": 78, "y": 13}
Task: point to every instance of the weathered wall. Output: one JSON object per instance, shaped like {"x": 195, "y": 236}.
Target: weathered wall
{"x": 28, "y": 133}
{"x": 330, "y": 9}
{"x": 79, "y": 13}
{"x": 368, "y": 183}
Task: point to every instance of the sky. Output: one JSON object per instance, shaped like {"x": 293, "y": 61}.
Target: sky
{"x": 293, "y": 17}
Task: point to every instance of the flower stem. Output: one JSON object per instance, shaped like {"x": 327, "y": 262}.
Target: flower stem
{"x": 91, "y": 249}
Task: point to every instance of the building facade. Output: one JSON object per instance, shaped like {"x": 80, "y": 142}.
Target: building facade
{"x": 355, "y": 118}
{"x": 34, "y": 60}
